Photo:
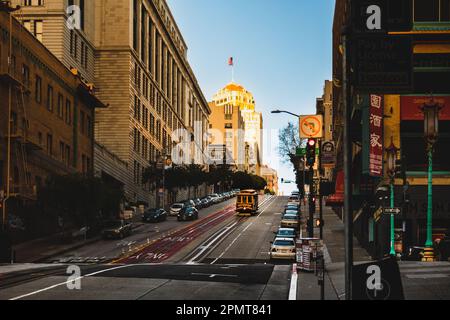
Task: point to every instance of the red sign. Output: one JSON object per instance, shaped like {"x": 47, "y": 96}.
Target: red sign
{"x": 410, "y": 106}
{"x": 376, "y": 136}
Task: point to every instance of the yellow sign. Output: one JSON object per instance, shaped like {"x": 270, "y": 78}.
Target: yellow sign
{"x": 311, "y": 127}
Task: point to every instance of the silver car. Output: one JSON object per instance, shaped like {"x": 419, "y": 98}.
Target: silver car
{"x": 175, "y": 209}
{"x": 282, "y": 248}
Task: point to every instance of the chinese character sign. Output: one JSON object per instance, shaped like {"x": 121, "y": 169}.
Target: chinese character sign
{"x": 376, "y": 136}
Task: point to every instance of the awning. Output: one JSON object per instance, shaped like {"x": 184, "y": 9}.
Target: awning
{"x": 337, "y": 199}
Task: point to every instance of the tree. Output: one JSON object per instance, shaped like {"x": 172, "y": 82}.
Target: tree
{"x": 289, "y": 141}
{"x": 243, "y": 180}
{"x": 79, "y": 200}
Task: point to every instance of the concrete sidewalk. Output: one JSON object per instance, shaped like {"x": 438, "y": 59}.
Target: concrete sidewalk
{"x": 40, "y": 250}
{"x": 333, "y": 236}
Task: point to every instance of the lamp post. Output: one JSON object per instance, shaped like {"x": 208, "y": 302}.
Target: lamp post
{"x": 282, "y": 111}
{"x": 391, "y": 152}
{"x": 431, "y": 132}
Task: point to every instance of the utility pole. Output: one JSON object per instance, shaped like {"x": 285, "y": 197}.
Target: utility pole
{"x": 347, "y": 142}
{"x": 320, "y": 190}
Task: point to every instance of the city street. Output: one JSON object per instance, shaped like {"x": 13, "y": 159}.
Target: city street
{"x": 220, "y": 256}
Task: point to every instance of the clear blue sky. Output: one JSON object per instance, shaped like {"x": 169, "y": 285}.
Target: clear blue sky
{"x": 281, "y": 48}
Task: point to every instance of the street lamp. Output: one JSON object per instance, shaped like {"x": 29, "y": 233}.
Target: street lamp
{"x": 431, "y": 132}
{"x": 282, "y": 111}
{"x": 391, "y": 153}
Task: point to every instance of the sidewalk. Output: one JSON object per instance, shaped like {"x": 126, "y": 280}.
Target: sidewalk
{"x": 333, "y": 236}
{"x": 40, "y": 250}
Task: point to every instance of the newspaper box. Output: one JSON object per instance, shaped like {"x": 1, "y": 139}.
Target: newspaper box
{"x": 307, "y": 250}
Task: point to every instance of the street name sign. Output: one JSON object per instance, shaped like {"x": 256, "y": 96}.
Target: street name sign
{"x": 392, "y": 210}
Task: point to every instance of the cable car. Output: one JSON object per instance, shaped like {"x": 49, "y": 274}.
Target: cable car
{"x": 247, "y": 203}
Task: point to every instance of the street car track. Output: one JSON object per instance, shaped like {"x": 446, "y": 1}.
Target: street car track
{"x": 163, "y": 248}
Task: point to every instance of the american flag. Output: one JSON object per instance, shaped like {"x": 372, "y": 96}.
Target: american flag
{"x": 230, "y": 61}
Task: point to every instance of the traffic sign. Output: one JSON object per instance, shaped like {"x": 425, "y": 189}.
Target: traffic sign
{"x": 328, "y": 154}
{"x": 311, "y": 127}
{"x": 392, "y": 210}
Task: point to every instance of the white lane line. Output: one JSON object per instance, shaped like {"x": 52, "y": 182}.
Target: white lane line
{"x": 243, "y": 231}
{"x": 206, "y": 247}
{"x": 207, "y": 244}
{"x": 67, "y": 282}
{"x": 293, "y": 286}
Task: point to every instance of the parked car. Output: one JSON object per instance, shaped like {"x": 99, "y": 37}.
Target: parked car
{"x": 154, "y": 215}
{"x": 215, "y": 198}
{"x": 292, "y": 212}
{"x": 413, "y": 254}
{"x": 286, "y": 233}
{"x": 282, "y": 248}
{"x": 206, "y": 202}
{"x": 189, "y": 203}
{"x": 175, "y": 208}
{"x": 294, "y": 199}
{"x": 188, "y": 213}
{"x": 117, "y": 229}
{"x": 290, "y": 221}
{"x": 198, "y": 204}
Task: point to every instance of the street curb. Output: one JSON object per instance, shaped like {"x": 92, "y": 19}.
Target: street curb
{"x": 74, "y": 247}
{"x": 293, "y": 286}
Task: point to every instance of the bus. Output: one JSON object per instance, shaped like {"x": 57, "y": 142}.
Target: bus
{"x": 247, "y": 203}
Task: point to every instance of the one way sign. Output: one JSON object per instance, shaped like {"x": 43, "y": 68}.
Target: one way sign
{"x": 392, "y": 210}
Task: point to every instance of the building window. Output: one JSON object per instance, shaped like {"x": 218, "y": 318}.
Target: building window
{"x": 39, "y": 29}
{"x": 88, "y": 127}
{"x": 71, "y": 42}
{"x": 50, "y": 98}
{"x": 150, "y": 45}
{"x": 33, "y": 2}
{"x": 143, "y": 35}
{"x": 135, "y": 24}
{"x": 68, "y": 112}
{"x": 75, "y": 46}
{"x": 49, "y": 144}
{"x": 228, "y": 126}
{"x": 60, "y": 105}
{"x": 62, "y": 151}
{"x": 82, "y": 14}
{"x": 82, "y": 122}
{"x": 135, "y": 134}
{"x": 26, "y": 76}
{"x": 82, "y": 53}
{"x": 38, "y": 90}
{"x": 68, "y": 156}
{"x": 431, "y": 10}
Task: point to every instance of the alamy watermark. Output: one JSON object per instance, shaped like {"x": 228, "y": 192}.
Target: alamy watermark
{"x": 74, "y": 20}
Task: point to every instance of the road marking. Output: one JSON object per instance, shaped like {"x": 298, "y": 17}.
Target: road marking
{"x": 293, "y": 286}
{"x": 204, "y": 248}
{"x": 243, "y": 231}
{"x": 67, "y": 282}
{"x": 213, "y": 275}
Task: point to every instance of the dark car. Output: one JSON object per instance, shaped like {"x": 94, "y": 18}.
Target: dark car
{"x": 116, "y": 229}
{"x": 188, "y": 213}
{"x": 154, "y": 215}
{"x": 198, "y": 204}
{"x": 413, "y": 254}
{"x": 206, "y": 202}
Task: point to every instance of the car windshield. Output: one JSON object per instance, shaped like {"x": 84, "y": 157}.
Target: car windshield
{"x": 189, "y": 210}
{"x": 284, "y": 243}
{"x": 291, "y": 212}
{"x": 152, "y": 211}
{"x": 177, "y": 206}
{"x": 286, "y": 232}
{"x": 288, "y": 217}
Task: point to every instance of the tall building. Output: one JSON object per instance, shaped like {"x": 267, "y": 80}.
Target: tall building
{"x": 52, "y": 117}
{"x": 271, "y": 177}
{"x": 401, "y": 124}
{"x": 230, "y": 103}
{"x": 135, "y": 57}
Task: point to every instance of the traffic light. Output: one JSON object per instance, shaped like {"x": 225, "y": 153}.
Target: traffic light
{"x": 311, "y": 152}
{"x": 400, "y": 170}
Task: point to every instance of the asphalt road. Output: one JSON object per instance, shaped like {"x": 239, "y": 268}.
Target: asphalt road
{"x": 219, "y": 257}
